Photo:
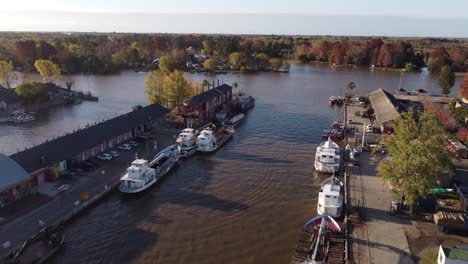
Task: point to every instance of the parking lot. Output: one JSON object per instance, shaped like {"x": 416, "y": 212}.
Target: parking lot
{"x": 356, "y": 123}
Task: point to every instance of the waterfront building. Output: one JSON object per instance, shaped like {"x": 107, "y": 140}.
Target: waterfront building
{"x": 14, "y": 181}
{"x": 204, "y": 106}
{"x": 70, "y": 150}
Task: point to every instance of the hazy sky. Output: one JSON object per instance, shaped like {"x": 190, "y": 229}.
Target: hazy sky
{"x": 334, "y": 17}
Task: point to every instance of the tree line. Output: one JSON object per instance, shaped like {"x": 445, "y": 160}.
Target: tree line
{"x": 102, "y": 53}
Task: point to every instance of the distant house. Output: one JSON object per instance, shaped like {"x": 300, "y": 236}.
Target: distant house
{"x": 204, "y": 106}
{"x": 453, "y": 255}
{"x": 9, "y": 100}
{"x": 70, "y": 150}
{"x": 14, "y": 181}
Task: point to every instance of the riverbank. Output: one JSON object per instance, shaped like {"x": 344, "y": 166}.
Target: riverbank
{"x": 66, "y": 206}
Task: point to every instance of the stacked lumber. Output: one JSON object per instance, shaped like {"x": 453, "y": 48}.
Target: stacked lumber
{"x": 446, "y": 218}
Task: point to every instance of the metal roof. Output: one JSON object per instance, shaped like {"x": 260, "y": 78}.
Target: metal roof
{"x": 208, "y": 95}
{"x": 386, "y": 107}
{"x": 70, "y": 145}
{"x": 11, "y": 173}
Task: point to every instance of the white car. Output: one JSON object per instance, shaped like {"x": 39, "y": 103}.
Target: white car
{"x": 133, "y": 143}
{"x": 105, "y": 156}
{"x": 125, "y": 147}
{"x": 114, "y": 153}
{"x": 370, "y": 129}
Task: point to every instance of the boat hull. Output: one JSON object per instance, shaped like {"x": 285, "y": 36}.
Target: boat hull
{"x": 123, "y": 189}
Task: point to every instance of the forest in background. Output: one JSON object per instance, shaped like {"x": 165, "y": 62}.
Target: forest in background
{"x": 102, "y": 53}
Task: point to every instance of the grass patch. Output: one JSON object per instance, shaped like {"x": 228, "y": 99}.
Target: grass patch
{"x": 430, "y": 257}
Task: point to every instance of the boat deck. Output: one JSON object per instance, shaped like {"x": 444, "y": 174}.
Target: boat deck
{"x": 334, "y": 250}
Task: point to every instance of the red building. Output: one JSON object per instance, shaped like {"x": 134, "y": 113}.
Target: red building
{"x": 203, "y": 107}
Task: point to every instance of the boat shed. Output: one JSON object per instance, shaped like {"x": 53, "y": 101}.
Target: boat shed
{"x": 14, "y": 181}
{"x": 204, "y": 106}
{"x": 80, "y": 145}
{"x": 386, "y": 107}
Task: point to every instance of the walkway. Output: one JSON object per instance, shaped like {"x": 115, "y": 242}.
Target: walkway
{"x": 380, "y": 237}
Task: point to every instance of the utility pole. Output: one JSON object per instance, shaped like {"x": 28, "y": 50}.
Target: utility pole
{"x": 363, "y": 134}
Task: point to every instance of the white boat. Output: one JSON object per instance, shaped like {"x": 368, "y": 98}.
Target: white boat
{"x": 235, "y": 120}
{"x": 143, "y": 174}
{"x": 22, "y": 118}
{"x": 328, "y": 157}
{"x": 187, "y": 140}
{"x": 211, "y": 137}
{"x": 330, "y": 200}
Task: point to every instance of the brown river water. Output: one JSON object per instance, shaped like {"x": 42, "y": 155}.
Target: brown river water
{"x": 243, "y": 204}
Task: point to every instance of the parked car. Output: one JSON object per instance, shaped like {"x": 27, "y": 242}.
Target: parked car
{"x": 105, "y": 156}
{"x": 125, "y": 147}
{"x": 369, "y": 129}
{"x": 133, "y": 143}
{"x": 114, "y": 153}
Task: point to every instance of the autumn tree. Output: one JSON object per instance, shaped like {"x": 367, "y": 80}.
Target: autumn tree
{"x": 446, "y": 79}
{"x": 205, "y": 84}
{"x": 48, "y": 70}
{"x": 31, "y": 90}
{"x": 438, "y": 57}
{"x": 167, "y": 63}
{"x": 6, "y": 73}
{"x": 210, "y": 64}
{"x": 155, "y": 88}
{"x": 417, "y": 154}
{"x": 179, "y": 87}
{"x": 237, "y": 60}
{"x": 464, "y": 87}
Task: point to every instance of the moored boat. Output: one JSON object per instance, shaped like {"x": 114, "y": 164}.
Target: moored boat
{"x": 211, "y": 137}
{"x": 321, "y": 241}
{"x": 187, "y": 140}
{"x": 331, "y": 100}
{"x": 245, "y": 103}
{"x": 235, "y": 120}
{"x": 328, "y": 157}
{"x": 143, "y": 174}
{"x": 330, "y": 200}
{"x": 39, "y": 248}
{"x": 22, "y": 118}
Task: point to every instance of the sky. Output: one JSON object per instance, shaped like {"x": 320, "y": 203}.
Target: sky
{"x": 436, "y": 18}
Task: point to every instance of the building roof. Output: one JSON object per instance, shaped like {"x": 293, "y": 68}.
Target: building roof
{"x": 456, "y": 253}
{"x": 8, "y": 95}
{"x": 70, "y": 145}
{"x": 208, "y": 95}
{"x": 386, "y": 107}
{"x": 12, "y": 173}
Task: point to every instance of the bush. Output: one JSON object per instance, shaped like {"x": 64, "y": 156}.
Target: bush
{"x": 31, "y": 90}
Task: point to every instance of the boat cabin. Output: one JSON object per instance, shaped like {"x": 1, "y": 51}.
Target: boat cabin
{"x": 137, "y": 169}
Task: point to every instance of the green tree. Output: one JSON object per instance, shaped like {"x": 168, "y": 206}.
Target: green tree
{"x": 48, "y": 70}
{"x": 6, "y": 73}
{"x": 31, "y": 90}
{"x": 417, "y": 154}
{"x": 167, "y": 63}
{"x": 234, "y": 84}
{"x": 179, "y": 87}
{"x": 446, "y": 79}
{"x": 210, "y": 64}
{"x": 350, "y": 85}
{"x": 155, "y": 88}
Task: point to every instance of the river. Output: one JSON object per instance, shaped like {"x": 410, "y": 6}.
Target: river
{"x": 243, "y": 204}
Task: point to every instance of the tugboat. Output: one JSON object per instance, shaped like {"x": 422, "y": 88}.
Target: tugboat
{"x": 211, "y": 137}
{"x": 328, "y": 157}
{"x": 39, "y": 248}
{"x": 245, "y": 103}
{"x": 187, "y": 140}
{"x": 141, "y": 175}
{"x": 330, "y": 200}
{"x": 321, "y": 241}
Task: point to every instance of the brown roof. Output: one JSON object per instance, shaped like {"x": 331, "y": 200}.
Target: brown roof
{"x": 386, "y": 107}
